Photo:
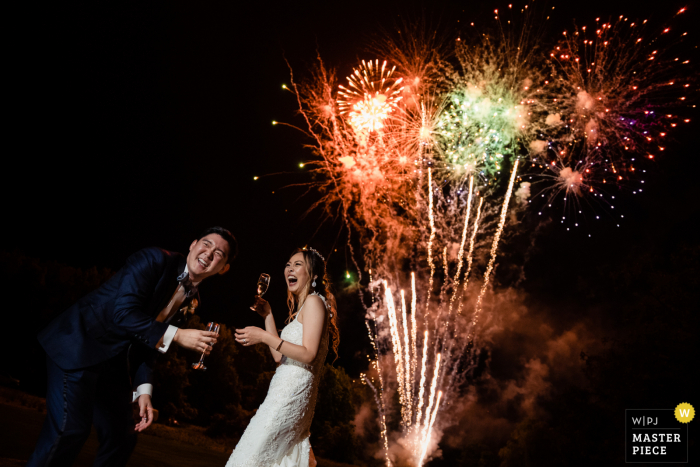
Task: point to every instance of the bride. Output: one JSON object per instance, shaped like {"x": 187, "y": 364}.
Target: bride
{"x": 278, "y": 434}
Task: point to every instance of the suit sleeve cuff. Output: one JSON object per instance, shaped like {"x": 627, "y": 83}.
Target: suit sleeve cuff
{"x": 143, "y": 389}
{"x": 167, "y": 339}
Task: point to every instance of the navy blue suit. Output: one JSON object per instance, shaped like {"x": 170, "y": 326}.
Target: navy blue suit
{"x": 97, "y": 352}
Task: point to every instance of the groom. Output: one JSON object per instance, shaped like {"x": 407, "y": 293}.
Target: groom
{"x": 106, "y": 344}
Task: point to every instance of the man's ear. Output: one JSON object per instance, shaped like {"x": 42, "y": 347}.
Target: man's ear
{"x": 194, "y": 242}
{"x": 225, "y": 268}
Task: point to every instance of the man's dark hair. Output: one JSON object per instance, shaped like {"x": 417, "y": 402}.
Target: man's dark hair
{"x": 226, "y": 235}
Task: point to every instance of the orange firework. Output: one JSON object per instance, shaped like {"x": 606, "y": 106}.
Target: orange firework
{"x": 372, "y": 94}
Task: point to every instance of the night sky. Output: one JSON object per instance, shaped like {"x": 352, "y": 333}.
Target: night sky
{"x": 135, "y": 124}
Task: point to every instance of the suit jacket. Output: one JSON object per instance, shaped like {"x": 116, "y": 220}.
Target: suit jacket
{"x": 119, "y": 313}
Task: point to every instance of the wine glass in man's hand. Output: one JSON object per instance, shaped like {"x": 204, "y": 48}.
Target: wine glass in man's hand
{"x": 212, "y": 327}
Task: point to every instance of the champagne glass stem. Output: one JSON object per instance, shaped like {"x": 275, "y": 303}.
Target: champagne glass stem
{"x": 200, "y": 366}
{"x": 201, "y": 359}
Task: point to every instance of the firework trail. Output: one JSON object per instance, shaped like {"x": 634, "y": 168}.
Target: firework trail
{"x": 494, "y": 247}
{"x": 382, "y": 416}
{"x": 460, "y": 255}
{"x": 414, "y": 355}
{"x": 421, "y": 386}
{"x": 430, "y": 430}
{"x": 407, "y": 360}
{"x": 431, "y": 399}
{"x": 470, "y": 255}
{"x": 398, "y": 352}
{"x": 432, "y": 237}
{"x": 377, "y": 393}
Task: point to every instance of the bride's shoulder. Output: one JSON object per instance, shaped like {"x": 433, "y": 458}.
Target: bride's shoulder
{"x": 317, "y": 300}
{"x": 314, "y": 305}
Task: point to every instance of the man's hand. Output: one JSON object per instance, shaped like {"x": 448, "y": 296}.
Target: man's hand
{"x": 194, "y": 339}
{"x": 145, "y": 412}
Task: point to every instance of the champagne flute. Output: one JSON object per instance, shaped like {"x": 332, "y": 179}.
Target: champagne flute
{"x": 263, "y": 284}
{"x": 212, "y": 327}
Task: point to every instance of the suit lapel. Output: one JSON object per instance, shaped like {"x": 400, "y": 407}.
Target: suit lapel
{"x": 168, "y": 283}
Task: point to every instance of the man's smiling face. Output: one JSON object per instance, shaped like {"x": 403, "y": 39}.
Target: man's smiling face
{"x": 208, "y": 256}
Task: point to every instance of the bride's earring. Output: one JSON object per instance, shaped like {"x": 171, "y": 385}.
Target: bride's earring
{"x": 313, "y": 284}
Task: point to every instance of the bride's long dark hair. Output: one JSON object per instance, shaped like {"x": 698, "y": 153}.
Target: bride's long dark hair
{"x": 316, "y": 266}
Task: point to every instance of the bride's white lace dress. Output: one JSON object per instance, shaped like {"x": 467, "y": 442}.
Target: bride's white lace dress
{"x": 278, "y": 434}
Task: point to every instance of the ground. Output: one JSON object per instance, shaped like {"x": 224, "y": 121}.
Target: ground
{"x": 21, "y": 426}
{"x": 20, "y": 435}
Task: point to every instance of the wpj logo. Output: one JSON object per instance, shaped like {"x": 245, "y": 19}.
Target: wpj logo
{"x": 655, "y": 436}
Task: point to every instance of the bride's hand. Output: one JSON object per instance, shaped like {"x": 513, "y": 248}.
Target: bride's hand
{"x": 250, "y": 335}
{"x": 261, "y": 306}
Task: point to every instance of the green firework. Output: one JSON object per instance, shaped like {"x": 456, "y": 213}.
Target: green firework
{"x": 479, "y": 128}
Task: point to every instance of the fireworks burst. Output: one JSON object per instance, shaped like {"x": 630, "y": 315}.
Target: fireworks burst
{"x": 475, "y": 130}
{"x": 403, "y": 150}
{"x": 612, "y": 96}
{"x": 372, "y": 94}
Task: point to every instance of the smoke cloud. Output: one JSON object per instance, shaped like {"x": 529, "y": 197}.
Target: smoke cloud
{"x": 537, "y": 146}
{"x": 523, "y": 193}
{"x": 523, "y": 352}
{"x": 553, "y": 119}
{"x": 585, "y": 101}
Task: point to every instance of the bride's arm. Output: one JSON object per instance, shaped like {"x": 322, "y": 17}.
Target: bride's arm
{"x": 314, "y": 317}
{"x": 271, "y": 328}
{"x": 262, "y": 307}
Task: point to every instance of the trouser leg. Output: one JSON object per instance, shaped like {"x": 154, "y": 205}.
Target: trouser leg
{"x": 113, "y": 416}
{"x": 69, "y": 403}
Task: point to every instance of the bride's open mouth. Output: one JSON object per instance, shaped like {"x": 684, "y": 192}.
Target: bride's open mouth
{"x": 291, "y": 280}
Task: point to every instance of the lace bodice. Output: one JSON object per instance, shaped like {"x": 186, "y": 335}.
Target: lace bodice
{"x": 278, "y": 434}
{"x": 294, "y": 333}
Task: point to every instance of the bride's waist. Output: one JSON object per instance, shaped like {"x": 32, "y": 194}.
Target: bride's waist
{"x": 286, "y": 362}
